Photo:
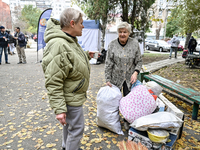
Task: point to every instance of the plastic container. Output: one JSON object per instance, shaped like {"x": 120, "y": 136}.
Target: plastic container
{"x": 158, "y": 136}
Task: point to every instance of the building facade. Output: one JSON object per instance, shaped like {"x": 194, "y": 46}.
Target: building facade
{"x": 5, "y": 15}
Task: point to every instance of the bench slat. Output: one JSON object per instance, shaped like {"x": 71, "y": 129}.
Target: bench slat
{"x": 186, "y": 92}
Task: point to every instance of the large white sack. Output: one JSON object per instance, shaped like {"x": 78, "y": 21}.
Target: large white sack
{"x": 164, "y": 120}
{"x": 108, "y": 108}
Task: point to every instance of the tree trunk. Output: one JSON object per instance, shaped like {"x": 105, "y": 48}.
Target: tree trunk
{"x": 103, "y": 27}
{"x": 158, "y": 32}
{"x": 187, "y": 40}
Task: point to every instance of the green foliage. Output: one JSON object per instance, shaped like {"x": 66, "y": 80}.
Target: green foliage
{"x": 31, "y": 16}
{"x": 135, "y": 12}
{"x": 189, "y": 15}
{"x": 173, "y": 25}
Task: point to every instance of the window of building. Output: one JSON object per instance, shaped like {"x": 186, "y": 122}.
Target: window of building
{"x": 169, "y": 12}
{"x": 150, "y": 13}
{"x": 160, "y": 13}
{"x": 59, "y": 5}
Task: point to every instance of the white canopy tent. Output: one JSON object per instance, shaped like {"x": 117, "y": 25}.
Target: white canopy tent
{"x": 91, "y": 36}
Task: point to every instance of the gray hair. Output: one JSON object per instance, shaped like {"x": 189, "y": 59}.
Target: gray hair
{"x": 69, "y": 14}
{"x": 124, "y": 25}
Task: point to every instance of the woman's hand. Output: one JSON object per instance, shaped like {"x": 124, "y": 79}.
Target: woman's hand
{"x": 109, "y": 84}
{"x": 134, "y": 77}
{"x": 91, "y": 54}
{"x": 62, "y": 118}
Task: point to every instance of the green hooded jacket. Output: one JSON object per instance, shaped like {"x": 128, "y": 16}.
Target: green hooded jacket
{"x": 66, "y": 68}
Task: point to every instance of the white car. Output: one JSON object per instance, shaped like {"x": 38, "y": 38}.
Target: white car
{"x": 198, "y": 47}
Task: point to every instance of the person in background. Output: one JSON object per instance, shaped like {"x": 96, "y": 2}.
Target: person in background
{"x": 20, "y": 45}
{"x": 67, "y": 74}
{"x": 11, "y": 42}
{"x": 123, "y": 61}
{"x": 192, "y": 45}
{"x": 174, "y": 46}
{"x": 3, "y": 44}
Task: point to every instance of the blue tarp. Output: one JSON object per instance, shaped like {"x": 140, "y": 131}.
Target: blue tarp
{"x": 90, "y": 24}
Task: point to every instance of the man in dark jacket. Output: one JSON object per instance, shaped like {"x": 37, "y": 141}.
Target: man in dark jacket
{"x": 20, "y": 45}
{"x": 3, "y": 44}
{"x": 192, "y": 45}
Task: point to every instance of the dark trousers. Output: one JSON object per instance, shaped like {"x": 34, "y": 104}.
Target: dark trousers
{"x": 5, "y": 53}
{"x": 125, "y": 89}
{"x": 191, "y": 50}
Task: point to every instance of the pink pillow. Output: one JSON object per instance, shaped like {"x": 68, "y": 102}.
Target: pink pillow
{"x": 139, "y": 102}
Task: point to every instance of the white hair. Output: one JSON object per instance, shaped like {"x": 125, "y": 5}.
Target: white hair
{"x": 69, "y": 14}
{"x": 124, "y": 25}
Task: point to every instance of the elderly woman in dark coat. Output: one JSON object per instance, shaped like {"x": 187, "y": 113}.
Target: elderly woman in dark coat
{"x": 124, "y": 61}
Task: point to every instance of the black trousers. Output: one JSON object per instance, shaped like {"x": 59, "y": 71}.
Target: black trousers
{"x": 125, "y": 89}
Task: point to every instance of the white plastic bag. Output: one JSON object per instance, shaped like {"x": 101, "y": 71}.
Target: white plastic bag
{"x": 108, "y": 108}
{"x": 155, "y": 87}
{"x": 163, "y": 120}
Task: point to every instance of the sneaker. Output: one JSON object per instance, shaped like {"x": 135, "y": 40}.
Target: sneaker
{"x": 19, "y": 62}
{"x": 175, "y": 57}
{"x": 169, "y": 57}
{"x": 7, "y": 63}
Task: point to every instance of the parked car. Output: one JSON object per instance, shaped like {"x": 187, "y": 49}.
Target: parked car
{"x": 157, "y": 45}
{"x": 198, "y": 47}
{"x": 180, "y": 47}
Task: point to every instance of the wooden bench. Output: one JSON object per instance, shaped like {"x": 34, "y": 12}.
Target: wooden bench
{"x": 177, "y": 88}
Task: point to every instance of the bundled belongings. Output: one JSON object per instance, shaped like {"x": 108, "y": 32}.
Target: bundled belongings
{"x": 108, "y": 108}
{"x": 139, "y": 102}
{"x": 161, "y": 120}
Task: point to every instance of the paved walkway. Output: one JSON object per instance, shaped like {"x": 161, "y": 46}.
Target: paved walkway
{"x": 154, "y": 66}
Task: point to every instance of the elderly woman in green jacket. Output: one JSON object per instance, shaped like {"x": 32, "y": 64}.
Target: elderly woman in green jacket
{"x": 67, "y": 72}
{"x": 124, "y": 61}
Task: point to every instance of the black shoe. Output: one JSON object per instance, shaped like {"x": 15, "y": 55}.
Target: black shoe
{"x": 0, "y": 63}
{"x": 7, "y": 63}
{"x": 169, "y": 57}
{"x": 175, "y": 57}
{"x": 78, "y": 149}
{"x": 19, "y": 62}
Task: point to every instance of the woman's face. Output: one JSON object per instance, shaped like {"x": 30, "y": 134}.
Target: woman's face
{"x": 123, "y": 35}
{"x": 78, "y": 28}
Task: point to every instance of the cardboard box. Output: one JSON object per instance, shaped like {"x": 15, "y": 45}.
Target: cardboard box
{"x": 142, "y": 136}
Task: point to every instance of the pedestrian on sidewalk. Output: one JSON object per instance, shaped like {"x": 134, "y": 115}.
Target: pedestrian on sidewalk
{"x": 3, "y": 44}
{"x": 67, "y": 74}
{"x": 20, "y": 45}
{"x": 192, "y": 45}
{"x": 174, "y": 46}
{"x": 11, "y": 42}
{"x": 123, "y": 61}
